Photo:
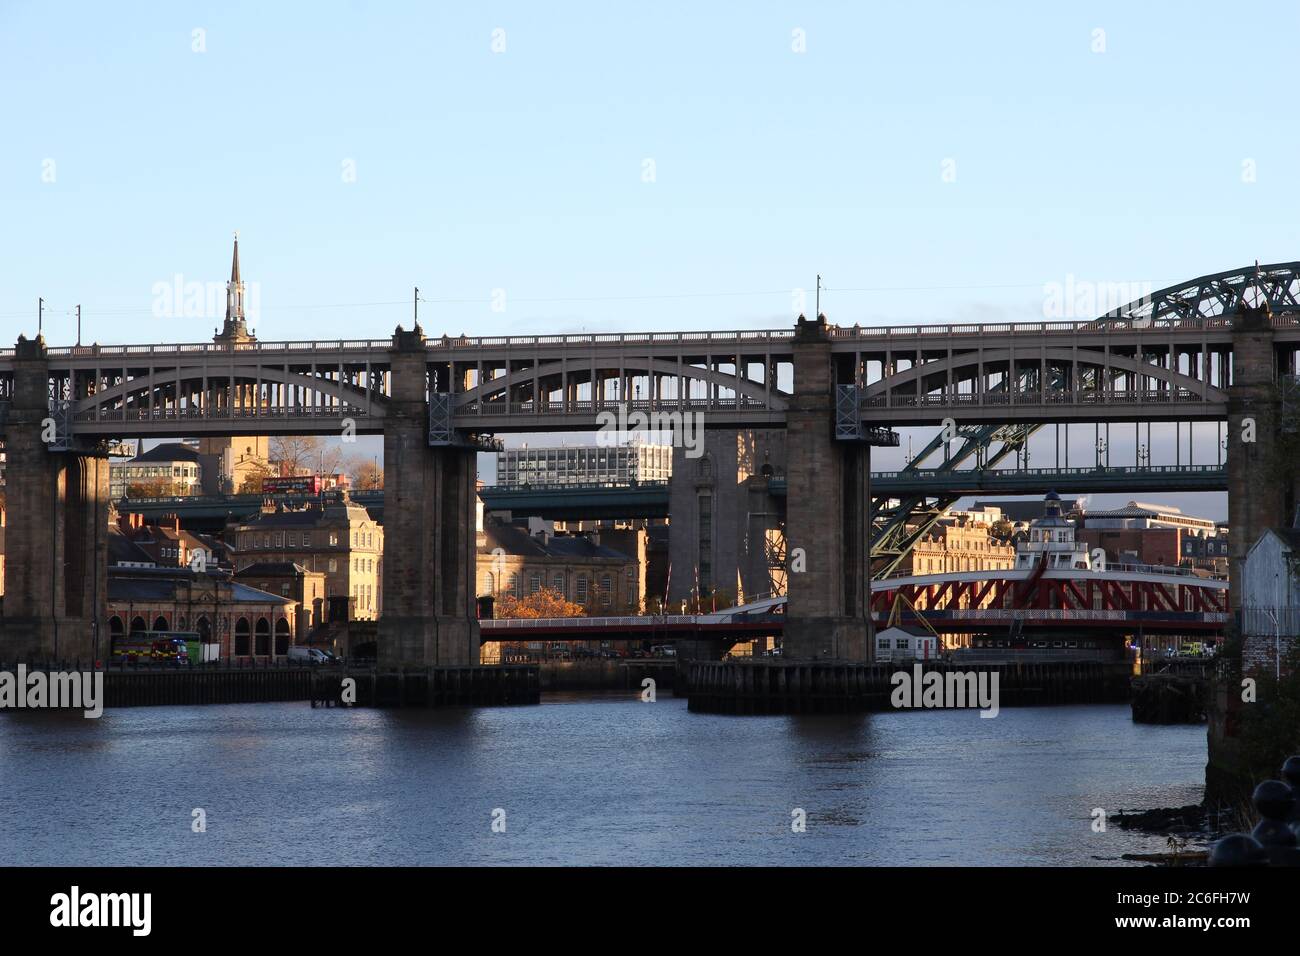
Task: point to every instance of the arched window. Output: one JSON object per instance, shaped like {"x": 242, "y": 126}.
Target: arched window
{"x": 557, "y": 584}
{"x": 514, "y": 585}
{"x": 262, "y": 641}
{"x": 490, "y": 583}
{"x": 534, "y": 583}
{"x": 138, "y": 625}
{"x": 204, "y": 629}
{"x": 281, "y": 637}
{"x": 580, "y": 592}
{"x": 114, "y": 625}
{"x": 241, "y": 637}
{"x": 160, "y": 624}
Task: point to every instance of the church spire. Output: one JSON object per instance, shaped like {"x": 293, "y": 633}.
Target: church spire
{"x": 235, "y": 328}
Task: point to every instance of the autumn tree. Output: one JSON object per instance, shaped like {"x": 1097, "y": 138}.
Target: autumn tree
{"x": 150, "y": 488}
{"x": 1002, "y": 529}
{"x": 366, "y": 474}
{"x": 251, "y": 484}
{"x": 539, "y": 604}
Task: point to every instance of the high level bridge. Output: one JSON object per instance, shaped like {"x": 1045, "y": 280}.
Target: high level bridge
{"x": 1218, "y": 348}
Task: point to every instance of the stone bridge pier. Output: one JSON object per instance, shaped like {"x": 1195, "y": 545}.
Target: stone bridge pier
{"x": 1262, "y": 487}
{"x": 827, "y": 513}
{"x": 430, "y": 613}
{"x": 56, "y": 535}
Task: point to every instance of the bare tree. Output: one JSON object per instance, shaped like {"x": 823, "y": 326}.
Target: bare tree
{"x": 296, "y": 453}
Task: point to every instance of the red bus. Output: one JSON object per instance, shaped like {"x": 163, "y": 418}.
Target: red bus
{"x": 297, "y": 485}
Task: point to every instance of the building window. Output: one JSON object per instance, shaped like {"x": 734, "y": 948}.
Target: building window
{"x": 580, "y": 592}
{"x": 606, "y": 590}
{"x": 534, "y": 583}
{"x": 557, "y": 584}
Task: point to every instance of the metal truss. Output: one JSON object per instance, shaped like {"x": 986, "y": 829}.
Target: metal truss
{"x": 848, "y": 420}
{"x": 61, "y": 414}
{"x": 440, "y": 430}
{"x": 1214, "y": 295}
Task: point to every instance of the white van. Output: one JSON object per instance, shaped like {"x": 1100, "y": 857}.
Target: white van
{"x": 308, "y": 655}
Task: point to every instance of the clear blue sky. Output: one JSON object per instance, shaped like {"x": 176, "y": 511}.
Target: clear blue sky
{"x": 524, "y": 170}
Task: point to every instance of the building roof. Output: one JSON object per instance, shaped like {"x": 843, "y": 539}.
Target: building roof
{"x": 160, "y": 584}
{"x": 168, "y": 451}
{"x": 331, "y": 512}
{"x": 1290, "y": 537}
{"x": 244, "y": 594}
{"x": 273, "y": 569}
{"x": 913, "y": 629}
{"x": 1022, "y": 509}
{"x": 516, "y": 541}
{"x": 122, "y": 550}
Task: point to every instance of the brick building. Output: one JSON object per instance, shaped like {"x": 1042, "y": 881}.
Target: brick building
{"x": 142, "y": 597}
{"x": 291, "y": 580}
{"x": 1153, "y": 534}
{"x": 166, "y": 543}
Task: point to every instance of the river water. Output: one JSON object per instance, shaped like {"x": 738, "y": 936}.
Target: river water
{"x": 590, "y": 779}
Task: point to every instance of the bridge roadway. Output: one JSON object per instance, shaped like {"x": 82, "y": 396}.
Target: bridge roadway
{"x": 1164, "y": 357}
{"x": 1130, "y": 598}
{"x": 649, "y": 499}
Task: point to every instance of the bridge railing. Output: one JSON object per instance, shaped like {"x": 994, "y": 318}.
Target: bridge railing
{"x": 586, "y": 406}
{"x": 1280, "y": 319}
{"x": 634, "y": 620}
{"x": 220, "y": 348}
{"x": 134, "y": 415}
{"x": 560, "y": 486}
{"x": 1020, "y": 573}
{"x": 948, "y": 400}
{"x": 609, "y": 338}
{"x": 1117, "y": 471}
{"x": 1053, "y": 327}
{"x": 1071, "y": 614}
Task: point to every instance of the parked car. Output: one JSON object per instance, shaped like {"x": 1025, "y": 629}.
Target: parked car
{"x": 309, "y": 655}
